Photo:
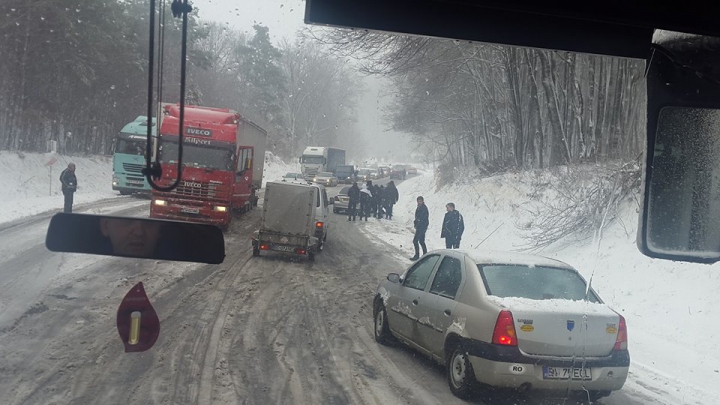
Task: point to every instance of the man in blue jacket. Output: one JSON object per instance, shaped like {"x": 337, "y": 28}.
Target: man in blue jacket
{"x": 453, "y": 227}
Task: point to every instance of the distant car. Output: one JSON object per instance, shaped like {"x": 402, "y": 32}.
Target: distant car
{"x": 398, "y": 172}
{"x": 365, "y": 175}
{"x": 325, "y": 178}
{"x": 384, "y": 171}
{"x": 341, "y": 201}
{"x": 505, "y": 320}
{"x": 411, "y": 170}
{"x": 377, "y": 174}
{"x": 293, "y": 176}
{"x": 345, "y": 174}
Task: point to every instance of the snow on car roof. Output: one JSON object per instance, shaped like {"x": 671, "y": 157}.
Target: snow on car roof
{"x": 501, "y": 257}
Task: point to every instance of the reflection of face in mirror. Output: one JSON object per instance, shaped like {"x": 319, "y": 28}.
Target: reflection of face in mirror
{"x": 684, "y": 198}
{"x": 131, "y": 237}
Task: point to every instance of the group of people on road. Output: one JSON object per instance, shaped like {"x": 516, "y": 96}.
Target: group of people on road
{"x": 372, "y": 200}
{"x": 452, "y": 228}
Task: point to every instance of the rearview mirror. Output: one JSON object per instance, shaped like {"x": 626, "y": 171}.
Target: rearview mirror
{"x": 680, "y": 217}
{"x": 393, "y": 278}
{"x": 136, "y": 237}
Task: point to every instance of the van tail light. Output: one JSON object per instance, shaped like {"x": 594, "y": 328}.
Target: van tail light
{"x": 264, "y": 247}
{"x": 504, "y": 333}
{"x": 621, "y": 342}
{"x": 300, "y": 251}
{"x": 319, "y": 225}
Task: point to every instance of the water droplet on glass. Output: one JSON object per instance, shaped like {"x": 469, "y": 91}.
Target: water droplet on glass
{"x": 112, "y": 87}
{"x": 42, "y": 18}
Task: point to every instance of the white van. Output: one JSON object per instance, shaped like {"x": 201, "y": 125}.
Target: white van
{"x": 322, "y": 209}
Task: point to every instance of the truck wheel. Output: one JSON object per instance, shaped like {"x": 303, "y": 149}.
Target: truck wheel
{"x": 256, "y": 252}
{"x": 311, "y": 256}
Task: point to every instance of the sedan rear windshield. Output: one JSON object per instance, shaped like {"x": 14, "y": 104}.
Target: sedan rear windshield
{"x": 345, "y": 190}
{"x": 536, "y": 283}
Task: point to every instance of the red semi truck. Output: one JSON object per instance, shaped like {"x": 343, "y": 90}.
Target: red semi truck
{"x": 223, "y": 160}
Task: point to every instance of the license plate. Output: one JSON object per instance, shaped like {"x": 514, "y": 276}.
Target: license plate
{"x": 566, "y": 373}
{"x": 190, "y": 210}
{"x": 284, "y": 248}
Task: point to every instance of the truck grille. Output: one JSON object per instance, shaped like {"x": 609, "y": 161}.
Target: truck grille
{"x": 132, "y": 167}
{"x": 206, "y": 190}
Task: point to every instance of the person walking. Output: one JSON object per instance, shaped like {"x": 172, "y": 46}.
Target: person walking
{"x": 365, "y": 201}
{"x": 421, "y": 224}
{"x": 453, "y": 227}
{"x": 381, "y": 202}
{"x": 69, "y": 186}
{"x": 392, "y": 196}
{"x": 354, "y": 196}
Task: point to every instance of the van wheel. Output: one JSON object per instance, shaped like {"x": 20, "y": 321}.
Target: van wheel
{"x": 460, "y": 374}
{"x": 311, "y": 256}
{"x": 256, "y": 251}
{"x": 593, "y": 396}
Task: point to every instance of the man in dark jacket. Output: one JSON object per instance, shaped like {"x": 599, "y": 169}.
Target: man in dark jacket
{"x": 453, "y": 227}
{"x": 380, "y": 202}
{"x": 421, "y": 224}
{"x": 354, "y": 196}
{"x": 69, "y": 185}
{"x": 391, "y": 198}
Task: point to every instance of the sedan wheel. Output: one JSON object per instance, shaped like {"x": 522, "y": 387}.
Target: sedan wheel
{"x": 382, "y": 331}
{"x": 461, "y": 376}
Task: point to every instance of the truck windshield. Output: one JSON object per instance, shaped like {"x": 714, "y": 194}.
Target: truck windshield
{"x": 316, "y": 160}
{"x": 130, "y": 147}
{"x": 198, "y": 156}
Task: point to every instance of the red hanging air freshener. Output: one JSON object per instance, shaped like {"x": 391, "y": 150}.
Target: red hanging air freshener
{"x": 137, "y": 322}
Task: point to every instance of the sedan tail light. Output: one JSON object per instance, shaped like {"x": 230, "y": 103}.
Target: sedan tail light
{"x": 621, "y": 342}
{"x": 504, "y": 333}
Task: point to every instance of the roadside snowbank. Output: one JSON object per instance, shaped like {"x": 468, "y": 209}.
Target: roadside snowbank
{"x": 30, "y": 187}
{"x": 671, "y": 308}
{"x": 275, "y": 168}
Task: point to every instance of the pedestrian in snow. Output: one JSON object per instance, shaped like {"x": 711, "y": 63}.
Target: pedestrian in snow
{"x": 365, "y": 201}
{"x": 391, "y": 198}
{"x": 421, "y": 224}
{"x": 69, "y": 186}
{"x": 453, "y": 227}
{"x": 381, "y": 202}
{"x": 354, "y": 196}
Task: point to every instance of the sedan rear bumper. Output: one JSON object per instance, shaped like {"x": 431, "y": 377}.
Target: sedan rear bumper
{"x": 515, "y": 375}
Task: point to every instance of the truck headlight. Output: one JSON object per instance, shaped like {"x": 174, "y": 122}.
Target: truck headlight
{"x": 160, "y": 203}
{"x": 115, "y": 180}
{"x": 220, "y": 208}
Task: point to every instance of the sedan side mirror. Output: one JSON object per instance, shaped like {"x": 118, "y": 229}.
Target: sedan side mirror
{"x": 393, "y": 278}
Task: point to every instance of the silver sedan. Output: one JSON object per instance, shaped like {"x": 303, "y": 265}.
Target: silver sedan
{"x": 326, "y": 179}
{"x": 505, "y": 320}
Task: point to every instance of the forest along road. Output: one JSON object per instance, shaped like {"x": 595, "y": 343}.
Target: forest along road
{"x": 253, "y": 330}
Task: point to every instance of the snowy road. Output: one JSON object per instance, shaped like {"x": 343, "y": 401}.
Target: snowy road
{"x": 252, "y": 330}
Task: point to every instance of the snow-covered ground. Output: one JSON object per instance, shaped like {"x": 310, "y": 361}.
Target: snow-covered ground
{"x": 30, "y": 187}
{"x": 672, "y": 309}
{"x": 276, "y": 167}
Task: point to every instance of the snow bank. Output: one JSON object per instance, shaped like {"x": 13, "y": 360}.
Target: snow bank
{"x": 672, "y": 309}
{"x": 30, "y": 187}
{"x": 276, "y": 167}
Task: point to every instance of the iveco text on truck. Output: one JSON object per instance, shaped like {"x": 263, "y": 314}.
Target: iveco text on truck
{"x": 223, "y": 160}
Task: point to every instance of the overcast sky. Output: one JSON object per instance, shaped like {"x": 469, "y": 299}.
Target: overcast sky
{"x": 285, "y": 18}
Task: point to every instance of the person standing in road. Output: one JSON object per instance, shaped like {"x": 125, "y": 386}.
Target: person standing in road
{"x": 380, "y": 202}
{"x": 391, "y": 198}
{"x": 365, "y": 200}
{"x": 69, "y": 186}
{"x": 354, "y": 196}
{"x": 453, "y": 227}
{"x": 421, "y": 224}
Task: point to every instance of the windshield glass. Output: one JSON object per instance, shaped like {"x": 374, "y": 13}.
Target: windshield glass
{"x": 130, "y": 147}
{"x": 536, "y": 283}
{"x": 198, "y": 156}
{"x": 292, "y": 175}
{"x": 324, "y": 174}
{"x": 318, "y": 160}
